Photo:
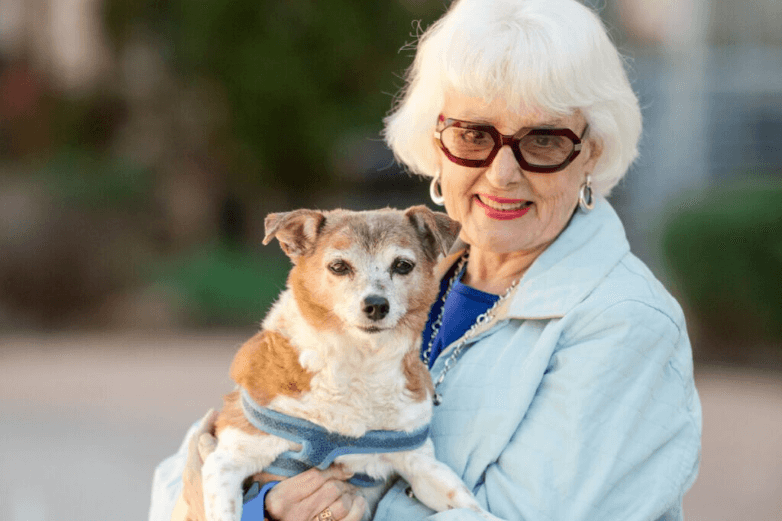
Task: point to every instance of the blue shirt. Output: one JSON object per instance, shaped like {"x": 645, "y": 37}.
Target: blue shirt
{"x": 462, "y": 308}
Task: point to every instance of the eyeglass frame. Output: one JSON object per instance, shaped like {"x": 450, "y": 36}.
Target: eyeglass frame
{"x": 500, "y": 140}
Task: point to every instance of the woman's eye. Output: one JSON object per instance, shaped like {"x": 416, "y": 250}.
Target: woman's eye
{"x": 339, "y": 268}
{"x": 548, "y": 141}
{"x": 402, "y": 267}
{"x": 475, "y": 137}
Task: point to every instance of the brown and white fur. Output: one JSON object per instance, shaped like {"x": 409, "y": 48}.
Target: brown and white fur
{"x": 340, "y": 348}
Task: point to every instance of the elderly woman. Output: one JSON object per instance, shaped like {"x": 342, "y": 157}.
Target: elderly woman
{"x": 563, "y": 371}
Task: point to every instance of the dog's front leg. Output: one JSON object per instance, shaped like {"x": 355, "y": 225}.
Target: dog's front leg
{"x": 222, "y": 480}
{"x": 433, "y": 482}
{"x": 229, "y": 465}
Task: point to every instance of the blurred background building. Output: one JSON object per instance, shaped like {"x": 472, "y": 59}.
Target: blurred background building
{"x": 143, "y": 141}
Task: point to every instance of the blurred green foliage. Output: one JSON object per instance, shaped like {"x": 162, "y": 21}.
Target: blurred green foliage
{"x": 724, "y": 249}
{"x": 78, "y": 178}
{"x": 297, "y": 74}
{"x": 222, "y": 284}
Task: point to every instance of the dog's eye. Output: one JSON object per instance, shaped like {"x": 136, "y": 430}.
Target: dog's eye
{"x": 402, "y": 266}
{"x": 339, "y": 268}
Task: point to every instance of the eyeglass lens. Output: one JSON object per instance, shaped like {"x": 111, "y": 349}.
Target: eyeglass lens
{"x": 537, "y": 148}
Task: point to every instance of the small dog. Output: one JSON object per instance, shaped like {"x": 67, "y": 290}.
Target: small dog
{"x": 339, "y": 353}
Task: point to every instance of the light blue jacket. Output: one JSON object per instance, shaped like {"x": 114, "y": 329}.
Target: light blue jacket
{"x": 577, "y": 402}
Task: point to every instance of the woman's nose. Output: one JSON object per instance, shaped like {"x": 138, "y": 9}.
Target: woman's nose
{"x": 504, "y": 170}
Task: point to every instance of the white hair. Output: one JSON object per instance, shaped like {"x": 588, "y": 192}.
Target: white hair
{"x": 552, "y": 55}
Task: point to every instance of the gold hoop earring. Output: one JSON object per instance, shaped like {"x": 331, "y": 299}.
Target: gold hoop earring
{"x": 436, "y": 191}
{"x": 586, "y": 200}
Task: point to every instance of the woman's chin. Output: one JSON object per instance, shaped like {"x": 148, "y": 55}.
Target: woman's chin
{"x": 496, "y": 241}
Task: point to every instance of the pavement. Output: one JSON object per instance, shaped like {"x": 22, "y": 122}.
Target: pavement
{"x": 84, "y": 419}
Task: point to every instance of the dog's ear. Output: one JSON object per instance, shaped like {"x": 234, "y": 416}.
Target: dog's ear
{"x": 436, "y": 230}
{"x": 296, "y": 230}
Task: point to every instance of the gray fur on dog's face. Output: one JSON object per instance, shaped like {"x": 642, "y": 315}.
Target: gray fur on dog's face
{"x": 365, "y": 271}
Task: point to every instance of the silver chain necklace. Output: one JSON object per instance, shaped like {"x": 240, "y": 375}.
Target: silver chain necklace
{"x": 482, "y": 319}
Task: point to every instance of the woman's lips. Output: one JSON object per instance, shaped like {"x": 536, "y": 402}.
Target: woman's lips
{"x": 502, "y": 208}
{"x": 501, "y": 200}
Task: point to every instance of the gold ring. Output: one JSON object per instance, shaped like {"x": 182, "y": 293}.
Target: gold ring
{"x": 326, "y": 514}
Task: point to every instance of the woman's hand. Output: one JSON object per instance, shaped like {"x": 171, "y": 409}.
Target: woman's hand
{"x": 190, "y": 505}
{"x": 306, "y": 496}
{"x": 300, "y": 498}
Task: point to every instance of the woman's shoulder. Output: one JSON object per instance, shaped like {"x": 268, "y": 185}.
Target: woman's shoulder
{"x": 631, "y": 294}
{"x": 630, "y": 322}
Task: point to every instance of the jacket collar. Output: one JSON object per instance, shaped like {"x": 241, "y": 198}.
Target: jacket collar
{"x": 589, "y": 247}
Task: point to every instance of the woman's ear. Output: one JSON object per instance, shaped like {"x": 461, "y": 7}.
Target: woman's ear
{"x": 595, "y": 149}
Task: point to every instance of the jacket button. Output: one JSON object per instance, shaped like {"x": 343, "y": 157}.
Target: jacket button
{"x": 409, "y": 492}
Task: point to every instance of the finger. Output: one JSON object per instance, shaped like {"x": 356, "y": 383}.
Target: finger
{"x": 331, "y": 493}
{"x": 180, "y": 510}
{"x": 337, "y": 471}
{"x": 195, "y": 456}
{"x": 206, "y": 445}
{"x": 303, "y": 501}
{"x": 207, "y": 423}
{"x": 342, "y": 506}
{"x": 310, "y": 481}
{"x": 339, "y": 508}
{"x": 357, "y": 509}
{"x": 192, "y": 472}
{"x": 265, "y": 477}
{"x": 302, "y": 485}
{"x": 288, "y": 494}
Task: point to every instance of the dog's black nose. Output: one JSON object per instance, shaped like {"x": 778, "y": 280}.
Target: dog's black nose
{"x": 376, "y": 307}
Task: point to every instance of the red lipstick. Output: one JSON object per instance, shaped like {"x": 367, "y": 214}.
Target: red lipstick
{"x": 502, "y": 215}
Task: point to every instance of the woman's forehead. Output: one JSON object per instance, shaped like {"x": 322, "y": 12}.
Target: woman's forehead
{"x": 499, "y": 113}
